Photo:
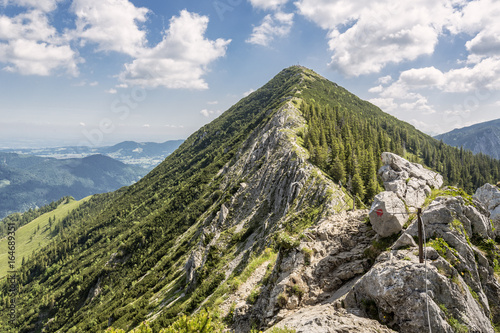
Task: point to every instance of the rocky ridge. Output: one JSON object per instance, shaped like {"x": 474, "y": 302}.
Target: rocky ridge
{"x": 344, "y": 277}
{"x": 274, "y": 187}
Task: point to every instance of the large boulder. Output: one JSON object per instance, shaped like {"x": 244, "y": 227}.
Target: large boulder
{"x": 387, "y": 214}
{"x": 410, "y": 181}
{"x": 414, "y": 170}
{"x": 489, "y": 196}
{"x": 453, "y": 213}
{"x": 394, "y": 293}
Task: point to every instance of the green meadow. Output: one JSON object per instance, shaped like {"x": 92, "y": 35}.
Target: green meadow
{"x": 35, "y": 234}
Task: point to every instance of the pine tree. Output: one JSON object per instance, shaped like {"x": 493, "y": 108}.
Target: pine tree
{"x": 357, "y": 186}
{"x": 337, "y": 170}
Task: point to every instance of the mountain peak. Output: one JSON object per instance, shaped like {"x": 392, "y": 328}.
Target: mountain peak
{"x": 260, "y": 192}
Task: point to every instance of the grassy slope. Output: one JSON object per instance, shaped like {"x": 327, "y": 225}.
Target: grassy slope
{"x": 130, "y": 241}
{"x": 35, "y": 234}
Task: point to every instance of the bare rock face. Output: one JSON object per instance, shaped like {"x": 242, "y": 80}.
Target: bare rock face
{"x": 387, "y": 214}
{"x": 329, "y": 260}
{"x": 326, "y": 319}
{"x": 489, "y": 196}
{"x": 410, "y": 181}
{"x": 456, "y": 285}
{"x": 394, "y": 292}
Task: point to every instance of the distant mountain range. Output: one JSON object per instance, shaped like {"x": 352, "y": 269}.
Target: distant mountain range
{"x": 479, "y": 138}
{"x": 144, "y": 154}
{"x": 30, "y": 181}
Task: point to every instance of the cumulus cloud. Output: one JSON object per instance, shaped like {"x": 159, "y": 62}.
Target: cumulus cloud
{"x": 385, "y": 79}
{"x": 386, "y": 104}
{"x": 209, "y": 113}
{"x": 111, "y": 91}
{"x": 29, "y": 45}
{"x": 484, "y": 75}
{"x": 268, "y": 4}
{"x": 43, "y": 5}
{"x": 111, "y": 24}
{"x": 273, "y": 26}
{"x": 376, "y": 89}
{"x": 180, "y": 59}
{"x": 366, "y": 35}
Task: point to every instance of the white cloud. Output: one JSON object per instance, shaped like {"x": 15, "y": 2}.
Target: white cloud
{"x": 429, "y": 128}
{"x": 146, "y": 126}
{"x": 112, "y": 24}
{"x": 208, "y": 113}
{"x": 28, "y": 57}
{"x": 213, "y": 102}
{"x": 482, "y": 76}
{"x": 180, "y": 59}
{"x": 93, "y": 84}
{"x": 376, "y": 89}
{"x": 485, "y": 43}
{"x": 32, "y": 25}
{"x": 366, "y": 35}
{"x": 111, "y": 91}
{"x": 273, "y": 25}
{"x": 386, "y": 104}
{"x": 29, "y": 45}
{"x": 422, "y": 77}
{"x": 83, "y": 124}
{"x": 385, "y": 79}
{"x": 268, "y": 4}
{"x": 44, "y": 5}
{"x": 421, "y": 106}
{"x": 246, "y": 93}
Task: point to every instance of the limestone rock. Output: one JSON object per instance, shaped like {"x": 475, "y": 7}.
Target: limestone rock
{"x": 404, "y": 241}
{"x": 394, "y": 292}
{"x": 410, "y": 181}
{"x": 414, "y": 170}
{"x": 335, "y": 260}
{"x": 223, "y": 214}
{"x": 326, "y": 319}
{"x": 387, "y": 214}
{"x": 194, "y": 261}
{"x": 489, "y": 196}
{"x": 439, "y": 218}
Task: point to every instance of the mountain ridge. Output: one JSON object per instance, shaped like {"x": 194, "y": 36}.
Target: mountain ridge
{"x": 478, "y": 138}
{"x": 236, "y": 198}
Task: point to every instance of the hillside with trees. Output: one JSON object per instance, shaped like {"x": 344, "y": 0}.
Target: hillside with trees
{"x": 233, "y": 200}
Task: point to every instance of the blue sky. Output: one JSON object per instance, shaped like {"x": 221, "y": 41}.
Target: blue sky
{"x": 97, "y": 72}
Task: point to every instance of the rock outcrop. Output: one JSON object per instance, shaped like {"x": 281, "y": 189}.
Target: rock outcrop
{"x": 410, "y": 181}
{"x": 456, "y": 285}
{"x": 270, "y": 181}
{"x": 328, "y": 319}
{"x": 336, "y": 281}
{"x": 489, "y": 196}
{"x": 330, "y": 258}
{"x": 388, "y": 214}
